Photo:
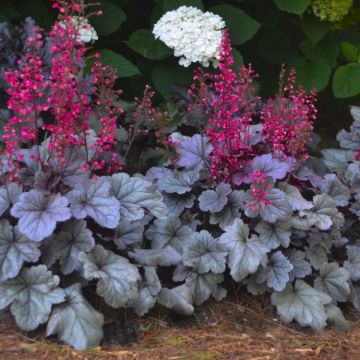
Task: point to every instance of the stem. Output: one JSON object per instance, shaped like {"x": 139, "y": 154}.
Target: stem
{"x": 132, "y": 140}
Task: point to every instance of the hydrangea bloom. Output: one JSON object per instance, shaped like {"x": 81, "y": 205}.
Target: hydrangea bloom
{"x": 194, "y": 35}
{"x": 331, "y": 10}
{"x": 86, "y": 33}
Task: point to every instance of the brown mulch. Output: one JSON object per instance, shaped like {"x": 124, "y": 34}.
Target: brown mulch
{"x": 226, "y": 330}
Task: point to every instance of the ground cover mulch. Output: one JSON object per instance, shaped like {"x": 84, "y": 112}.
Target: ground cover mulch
{"x": 233, "y": 329}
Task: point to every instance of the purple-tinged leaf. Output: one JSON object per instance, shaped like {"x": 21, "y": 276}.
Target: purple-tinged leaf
{"x": 193, "y": 151}
{"x": 270, "y": 166}
{"x": 38, "y": 214}
{"x": 215, "y": 200}
{"x": 273, "y": 206}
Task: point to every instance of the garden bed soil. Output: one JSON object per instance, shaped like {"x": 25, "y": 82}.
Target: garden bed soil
{"x": 231, "y": 330}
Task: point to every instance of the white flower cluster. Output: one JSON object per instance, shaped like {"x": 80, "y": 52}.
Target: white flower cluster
{"x": 86, "y": 33}
{"x": 193, "y": 34}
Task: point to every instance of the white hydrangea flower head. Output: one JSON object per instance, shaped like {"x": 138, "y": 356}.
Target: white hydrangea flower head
{"x": 195, "y": 36}
{"x": 86, "y": 33}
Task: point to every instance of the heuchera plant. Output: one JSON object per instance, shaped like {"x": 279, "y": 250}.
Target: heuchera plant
{"x": 253, "y": 200}
{"x": 236, "y": 195}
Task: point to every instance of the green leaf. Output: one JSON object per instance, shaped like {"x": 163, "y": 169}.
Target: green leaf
{"x": 143, "y": 42}
{"x": 275, "y": 47}
{"x": 8, "y": 10}
{"x": 346, "y": 81}
{"x": 238, "y": 59}
{"x": 242, "y": 27}
{"x": 124, "y": 67}
{"x": 314, "y": 29}
{"x": 166, "y": 75}
{"x": 38, "y": 11}
{"x": 312, "y": 74}
{"x": 350, "y": 51}
{"x": 110, "y": 20}
{"x": 327, "y": 50}
{"x": 293, "y": 6}
{"x": 174, "y": 4}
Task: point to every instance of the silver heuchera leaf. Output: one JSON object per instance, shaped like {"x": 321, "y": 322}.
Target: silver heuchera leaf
{"x": 176, "y": 204}
{"x": 118, "y": 279}
{"x": 128, "y": 234}
{"x": 254, "y": 286}
{"x": 273, "y": 206}
{"x": 298, "y": 223}
{"x": 158, "y": 257}
{"x": 190, "y": 220}
{"x": 76, "y": 322}
{"x": 335, "y": 189}
{"x": 255, "y": 133}
{"x": 230, "y": 212}
{"x": 244, "y": 174}
{"x": 9, "y": 194}
{"x": 92, "y": 199}
{"x": 38, "y": 214}
{"x": 303, "y": 304}
{"x": 270, "y": 166}
{"x": 169, "y": 231}
{"x": 352, "y": 264}
{"x": 204, "y": 285}
{"x": 66, "y": 245}
{"x": 178, "y": 299}
{"x": 301, "y": 267}
{"x": 352, "y": 177}
{"x": 149, "y": 290}
{"x": 214, "y": 200}
{"x": 204, "y": 254}
{"x": 157, "y": 172}
{"x": 334, "y": 281}
{"x": 274, "y": 235}
{"x": 71, "y": 172}
{"x": 193, "y": 151}
{"x": 277, "y": 271}
{"x": 337, "y": 160}
{"x": 179, "y": 182}
{"x": 245, "y": 253}
{"x": 135, "y": 195}
{"x": 31, "y": 295}
{"x": 297, "y": 202}
{"x": 335, "y": 318}
{"x": 355, "y": 112}
{"x": 350, "y": 140}
{"x": 322, "y": 213}
{"x": 317, "y": 255}
{"x": 355, "y": 295}
{"x": 15, "y": 249}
